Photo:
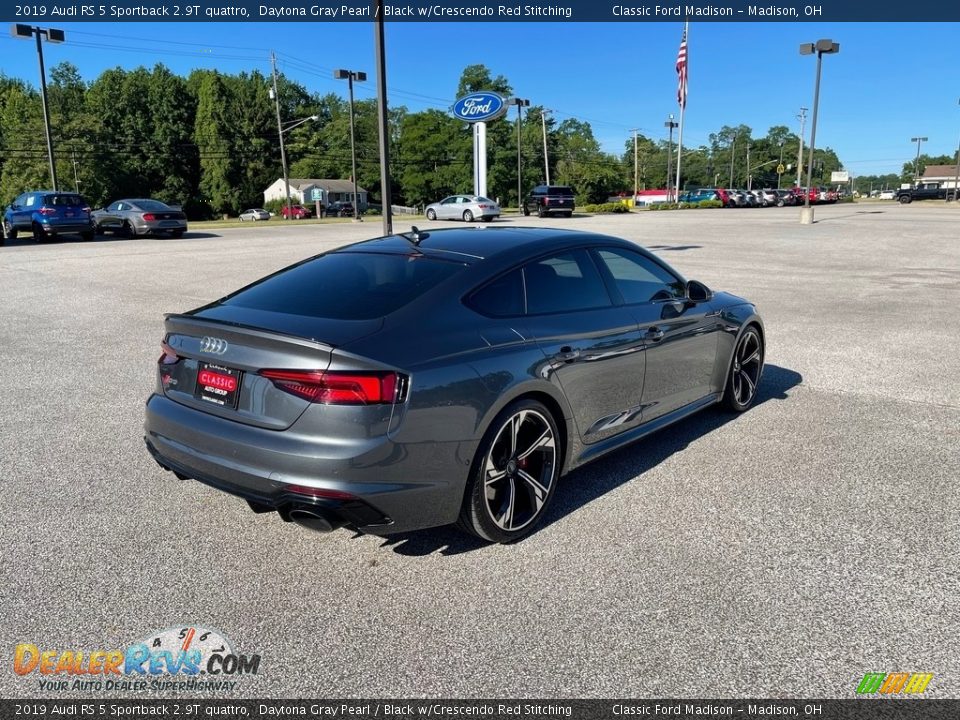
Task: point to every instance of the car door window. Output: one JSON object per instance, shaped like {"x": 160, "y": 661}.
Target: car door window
{"x": 448, "y": 201}
{"x": 565, "y": 282}
{"x": 638, "y": 278}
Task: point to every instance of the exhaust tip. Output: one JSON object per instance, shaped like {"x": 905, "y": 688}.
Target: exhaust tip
{"x": 312, "y": 520}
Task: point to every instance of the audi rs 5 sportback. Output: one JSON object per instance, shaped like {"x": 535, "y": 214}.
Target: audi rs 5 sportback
{"x": 442, "y": 377}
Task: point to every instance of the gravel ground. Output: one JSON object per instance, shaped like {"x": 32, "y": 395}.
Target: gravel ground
{"x": 781, "y": 553}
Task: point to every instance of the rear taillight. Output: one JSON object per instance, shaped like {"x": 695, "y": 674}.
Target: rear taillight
{"x": 169, "y": 356}
{"x": 149, "y": 217}
{"x": 338, "y": 388}
{"x": 546, "y": 201}
{"x": 86, "y": 210}
{"x": 47, "y": 211}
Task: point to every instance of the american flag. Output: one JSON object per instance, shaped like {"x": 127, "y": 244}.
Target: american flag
{"x": 682, "y": 71}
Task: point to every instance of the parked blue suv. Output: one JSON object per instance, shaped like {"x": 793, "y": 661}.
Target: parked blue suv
{"x": 46, "y": 214}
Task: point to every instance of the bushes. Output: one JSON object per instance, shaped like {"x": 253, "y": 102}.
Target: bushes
{"x": 686, "y": 205}
{"x": 610, "y": 207}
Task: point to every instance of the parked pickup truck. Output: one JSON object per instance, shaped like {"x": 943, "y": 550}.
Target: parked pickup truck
{"x": 924, "y": 191}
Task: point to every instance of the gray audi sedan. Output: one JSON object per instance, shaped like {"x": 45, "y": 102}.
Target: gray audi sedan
{"x": 442, "y": 377}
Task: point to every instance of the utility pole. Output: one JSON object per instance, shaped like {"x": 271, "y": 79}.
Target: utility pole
{"x": 546, "y": 157}
{"x": 916, "y": 164}
{"x": 802, "y": 117}
{"x": 670, "y": 124}
{"x": 283, "y": 152}
{"x": 636, "y": 166}
{"x": 749, "y": 174}
{"x": 733, "y": 154}
{"x": 76, "y": 178}
{"x": 780, "y": 166}
{"x": 383, "y": 128}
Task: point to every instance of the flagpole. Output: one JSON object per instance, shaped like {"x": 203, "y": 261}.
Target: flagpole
{"x": 683, "y": 109}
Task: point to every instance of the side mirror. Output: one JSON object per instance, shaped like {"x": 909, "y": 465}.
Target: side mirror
{"x": 697, "y": 292}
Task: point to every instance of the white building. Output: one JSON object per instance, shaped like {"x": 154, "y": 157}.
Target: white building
{"x": 946, "y": 175}
{"x": 301, "y": 191}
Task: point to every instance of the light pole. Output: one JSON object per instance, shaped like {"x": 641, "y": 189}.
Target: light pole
{"x": 383, "y": 126}
{"x": 916, "y": 164}
{"x": 802, "y": 117}
{"x": 821, "y": 47}
{"x": 54, "y": 36}
{"x": 956, "y": 178}
{"x": 546, "y": 157}
{"x": 350, "y": 76}
{"x": 671, "y": 125}
{"x": 284, "y": 128}
{"x": 520, "y": 103}
{"x": 636, "y": 166}
{"x": 780, "y": 167}
{"x": 733, "y": 153}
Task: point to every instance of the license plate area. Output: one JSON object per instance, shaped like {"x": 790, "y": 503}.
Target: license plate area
{"x": 218, "y": 384}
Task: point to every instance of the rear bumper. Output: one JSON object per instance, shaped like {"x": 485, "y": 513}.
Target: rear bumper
{"x": 374, "y": 485}
{"x": 67, "y": 227}
{"x": 178, "y": 226}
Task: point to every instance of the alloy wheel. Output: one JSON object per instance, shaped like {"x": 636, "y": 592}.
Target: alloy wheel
{"x": 519, "y": 470}
{"x": 747, "y": 366}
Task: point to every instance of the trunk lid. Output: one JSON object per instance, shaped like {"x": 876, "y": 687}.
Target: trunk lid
{"x": 220, "y": 356}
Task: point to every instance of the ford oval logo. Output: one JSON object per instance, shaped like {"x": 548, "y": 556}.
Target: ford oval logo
{"x": 479, "y": 107}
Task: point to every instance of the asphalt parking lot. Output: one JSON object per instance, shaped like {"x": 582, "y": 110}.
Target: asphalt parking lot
{"x": 780, "y": 553}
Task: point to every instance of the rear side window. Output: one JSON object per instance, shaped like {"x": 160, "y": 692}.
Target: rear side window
{"x": 63, "y": 200}
{"x": 564, "y": 283}
{"x": 501, "y": 298}
{"x": 560, "y": 190}
{"x": 347, "y": 286}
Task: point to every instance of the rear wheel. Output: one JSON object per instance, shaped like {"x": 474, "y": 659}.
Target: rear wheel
{"x": 524, "y": 209}
{"x": 128, "y": 231}
{"x": 746, "y": 367}
{"x": 467, "y": 216}
{"x": 38, "y": 234}
{"x": 541, "y": 212}
{"x": 431, "y": 215}
{"x": 514, "y": 474}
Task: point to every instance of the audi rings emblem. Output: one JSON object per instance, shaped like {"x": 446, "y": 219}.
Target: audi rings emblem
{"x": 213, "y": 346}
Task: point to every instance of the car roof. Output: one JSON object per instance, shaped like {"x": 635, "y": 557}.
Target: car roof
{"x": 484, "y": 242}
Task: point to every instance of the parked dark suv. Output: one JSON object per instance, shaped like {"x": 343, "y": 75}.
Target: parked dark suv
{"x": 547, "y": 199}
{"x": 46, "y": 214}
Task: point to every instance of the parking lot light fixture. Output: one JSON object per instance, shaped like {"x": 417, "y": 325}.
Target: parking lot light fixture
{"x": 819, "y": 48}
{"x": 916, "y": 163}
{"x": 350, "y": 76}
{"x": 670, "y": 124}
{"x": 55, "y": 36}
{"x": 956, "y": 177}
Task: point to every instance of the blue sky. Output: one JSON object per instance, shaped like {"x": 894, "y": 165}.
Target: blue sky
{"x": 874, "y": 95}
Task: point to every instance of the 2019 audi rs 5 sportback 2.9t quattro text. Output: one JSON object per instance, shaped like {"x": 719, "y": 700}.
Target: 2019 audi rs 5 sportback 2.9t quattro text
{"x": 424, "y": 379}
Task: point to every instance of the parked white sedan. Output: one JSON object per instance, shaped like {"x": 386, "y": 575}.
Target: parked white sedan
{"x": 463, "y": 207}
{"x": 254, "y": 214}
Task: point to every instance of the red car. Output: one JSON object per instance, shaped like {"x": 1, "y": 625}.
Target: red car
{"x": 799, "y": 193}
{"x": 297, "y": 212}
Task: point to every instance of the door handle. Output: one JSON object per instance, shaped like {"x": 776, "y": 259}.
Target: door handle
{"x": 654, "y": 334}
{"x": 567, "y": 354}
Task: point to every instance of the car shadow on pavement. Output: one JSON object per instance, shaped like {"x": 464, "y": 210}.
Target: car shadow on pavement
{"x": 606, "y": 474}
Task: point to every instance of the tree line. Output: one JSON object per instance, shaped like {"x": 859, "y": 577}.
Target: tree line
{"x": 209, "y": 142}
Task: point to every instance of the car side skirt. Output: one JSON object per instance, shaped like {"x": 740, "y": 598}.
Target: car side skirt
{"x": 594, "y": 451}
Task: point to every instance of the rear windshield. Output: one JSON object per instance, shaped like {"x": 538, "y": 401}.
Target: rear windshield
{"x": 347, "y": 286}
{"x": 151, "y": 205}
{"x": 64, "y": 200}
{"x": 559, "y": 190}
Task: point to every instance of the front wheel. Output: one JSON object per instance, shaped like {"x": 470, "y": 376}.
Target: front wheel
{"x": 746, "y": 367}
{"x": 467, "y": 216}
{"x": 905, "y": 199}
{"x": 431, "y": 215}
{"x": 9, "y": 231}
{"x": 514, "y": 474}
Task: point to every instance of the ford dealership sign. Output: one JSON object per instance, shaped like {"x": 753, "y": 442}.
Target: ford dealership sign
{"x": 479, "y": 107}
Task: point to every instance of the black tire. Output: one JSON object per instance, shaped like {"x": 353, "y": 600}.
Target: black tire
{"x": 905, "y": 199}
{"x": 515, "y": 471}
{"x": 568, "y": 214}
{"x": 88, "y": 235}
{"x": 541, "y": 212}
{"x": 127, "y": 230}
{"x": 38, "y": 234}
{"x": 779, "y": 203}
{"x": 746, "y": 369}
{"x": 525, "y": 210}
{"x": 431, "y": 215}
{"x": 97, "y": 230}
{"x": 9, "y": 231}
{"x": 467, "y": 216}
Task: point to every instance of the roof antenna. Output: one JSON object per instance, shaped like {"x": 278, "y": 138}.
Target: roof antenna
{"x": 416, "y": 236}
